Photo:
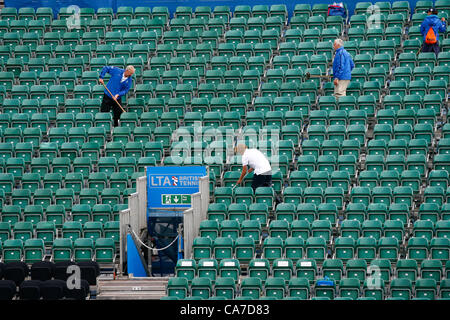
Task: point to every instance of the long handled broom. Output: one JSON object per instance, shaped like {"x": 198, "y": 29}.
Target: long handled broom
{"x": 114, "y": 98}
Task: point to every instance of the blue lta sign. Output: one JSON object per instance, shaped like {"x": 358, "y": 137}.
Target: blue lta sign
{"x": 172, "y": 187}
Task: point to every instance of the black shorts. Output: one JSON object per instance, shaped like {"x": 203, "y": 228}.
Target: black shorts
{"x": 261, "y": 181}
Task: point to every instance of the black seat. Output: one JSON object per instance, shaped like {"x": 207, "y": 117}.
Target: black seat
{"x": 89, "y": 271}
{"x": 30, "y": 290}
{"x": 61, "y": 270}
{"x": 78, "y": 294}
{"x": 7, "y": 289}
{"x": 53, "y": 289}
{"x": 2, "y": 266}
{"x": 16, "y": 271}
{"x": 42, "y": 270}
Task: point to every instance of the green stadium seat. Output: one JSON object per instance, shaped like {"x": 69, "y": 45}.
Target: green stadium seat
{"x": 62, "y": 249}
{"x": 388, "y": 248}
{"x": 12, "y": 250}
{"x": 299, "y": 287}
{"x": 307, "y": 268}
{"x": 178, "y": 287}
{"x": 417, "y": 248}
{"x": 377, "y": 292}
{"x": 202, "y": 248}
{"x": 92, "y": 230}
{"x": 186, "y": 268}
{"x": 275, "y": 287}
{"x": 23, "y": 231}
{"x": 315, "y": 248}
{"x": 431, "y": 269}
{"x": 104, "y": 250}
{"x": 366, "y": 248}
{"x": 401, "y": 288}
{"x": 294, "y": 246}
{"x": 407, "y": 269}
{"x": 279, "y": 229}
{"x": 83, "y": 249}
{"x": 444, "y": 289}
{"x": 349, "y": 288}
{"x": 425, "y": 288}
{"x": 333, "y": 269}
{"x": 357, "y": 268}
{"x": 439, "y": 248}
{"x": 244, "y": 249}
{"x": 225, "y": 287}
{"x": 33, "y": 250}
{"x": 251, "y": 287}
{"x": 345, "y": 248}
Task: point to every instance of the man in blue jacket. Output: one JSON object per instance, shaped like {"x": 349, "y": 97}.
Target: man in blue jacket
{"x": 119, "y": 84}
{"x": 342, "y": 68}
{"x": 432, "y": 21}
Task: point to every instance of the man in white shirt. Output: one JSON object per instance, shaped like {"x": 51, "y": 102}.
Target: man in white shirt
{"x": 255, "y": 160}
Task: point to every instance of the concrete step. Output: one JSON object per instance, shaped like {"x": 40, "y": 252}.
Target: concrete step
{"x": 152, "y": 288}
{"x": 131, "y": 296}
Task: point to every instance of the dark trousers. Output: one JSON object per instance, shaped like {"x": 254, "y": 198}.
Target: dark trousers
{"x": 108, "y": 104}
{"x": 261, "y": 181}
{"x": 431, "y": 48}
{"x": 264, "y": 181}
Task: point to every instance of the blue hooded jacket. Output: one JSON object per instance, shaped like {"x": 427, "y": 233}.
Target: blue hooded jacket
{"x": 432, "y": 21}
{"x": 114, "y": 85}
{"x": 342, "y": 65}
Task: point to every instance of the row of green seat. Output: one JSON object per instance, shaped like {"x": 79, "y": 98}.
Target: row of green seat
{"x": 330, "y": 111}
{"x": 80, "y": 227}
{"x": 87, "y": 210}
{"x": 81, "y": 166}
{"x": 315, "y": 247}
{"x": 375, "y": 228}
{"x": 101, "y": 250}
{"x": 403, "y": 131}
{"x": 90, "y": 149}
{"x": 127, "y": 53}
{"x": 307, "y": 268}
{"x": 237, "y": 225}
{"x": 337, "y": 147}
{"x": 128, "y": 167}
{"x": 222, "y": 11}
{"x": 327, "y": 161}
{"x": 181, "y": 11}
{"x": 323, "y": 195}
{"x": 312, "y": 211}
{"x": 394, "y": 115}
{"x": 76, "y": 180}
{"x": 142, "y": 12}
{"x": 328, "y": 157}
{"x": 421, "y": 73}
{"x": 51, "y": 150}
{"x": 84, "y": 126}
{"x": 292, "y": 47}
{"x": 74, "y": 184}
{"x": 299, "y": 288}
{"x": 359, "y": 212}
{"x": 436, "y": 86}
